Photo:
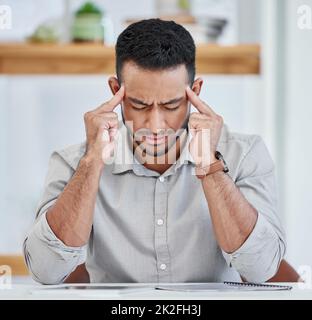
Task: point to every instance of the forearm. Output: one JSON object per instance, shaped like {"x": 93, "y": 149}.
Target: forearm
{"x": 71, "y": 216}
{"x": 233, "y": 217}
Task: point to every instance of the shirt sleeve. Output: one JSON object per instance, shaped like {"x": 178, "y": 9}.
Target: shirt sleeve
{"x": 258, "y": 259}
{"x": 48, "y": 259}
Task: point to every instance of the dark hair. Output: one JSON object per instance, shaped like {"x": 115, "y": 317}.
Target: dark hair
{"x": 156, "y": 44}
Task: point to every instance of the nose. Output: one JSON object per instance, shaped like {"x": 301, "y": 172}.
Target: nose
{"x": 155, "y": 120}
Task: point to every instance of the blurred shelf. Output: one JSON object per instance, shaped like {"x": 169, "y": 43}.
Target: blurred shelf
{"x": 239, "y": 59}
{"x": 26, "y": 58}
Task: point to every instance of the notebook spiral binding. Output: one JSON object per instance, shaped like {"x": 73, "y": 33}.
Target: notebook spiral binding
{"x": 254, "y": 284}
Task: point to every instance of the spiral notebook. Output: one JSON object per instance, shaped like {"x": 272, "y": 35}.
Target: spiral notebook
{"x": 225, "y": 286}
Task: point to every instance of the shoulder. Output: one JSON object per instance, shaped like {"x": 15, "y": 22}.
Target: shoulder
{"x": 71, "y": 154}
{"x": 244, "y": 152}
{"x": 242, "y": 142}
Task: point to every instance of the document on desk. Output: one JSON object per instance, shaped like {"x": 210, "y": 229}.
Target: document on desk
{"x": 225, "y": 286}
{"x": 119, "y": 290}
{"x": 91, "y": 290}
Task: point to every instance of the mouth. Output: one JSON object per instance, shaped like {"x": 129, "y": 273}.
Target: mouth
{"x": 155, "y": 140}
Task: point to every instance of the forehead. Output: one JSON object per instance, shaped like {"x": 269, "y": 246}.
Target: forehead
{"x": 154, "y": 84}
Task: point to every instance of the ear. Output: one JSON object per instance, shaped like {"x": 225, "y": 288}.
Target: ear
{"x": 113, "y": 84}
{"x": 197, "y": 84}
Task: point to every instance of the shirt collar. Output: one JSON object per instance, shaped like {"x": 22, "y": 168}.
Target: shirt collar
{"x": 185, "y": 156}
{"x": 125, "y": 160}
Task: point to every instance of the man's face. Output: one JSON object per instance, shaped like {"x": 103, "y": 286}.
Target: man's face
{"x": 155, "y": 103}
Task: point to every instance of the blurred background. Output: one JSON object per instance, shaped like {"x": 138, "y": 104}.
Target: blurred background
{"x": 254, "y": 56}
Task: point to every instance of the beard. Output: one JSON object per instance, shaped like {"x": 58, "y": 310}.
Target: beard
{"x": 156, "y": 150}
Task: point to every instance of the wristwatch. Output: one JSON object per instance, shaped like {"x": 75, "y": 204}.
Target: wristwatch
{"x": 219, "y": 165}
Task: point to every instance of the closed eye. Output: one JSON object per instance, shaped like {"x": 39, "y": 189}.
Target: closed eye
{"x": 138, "y": 109}
{"x": 172, "y": 108}
{"x": 167, "y": 108}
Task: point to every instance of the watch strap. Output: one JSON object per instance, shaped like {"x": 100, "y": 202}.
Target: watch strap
{"x": 216, "y": 166}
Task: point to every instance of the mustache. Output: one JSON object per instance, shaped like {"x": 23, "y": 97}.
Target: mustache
{"x": 144, "y": 132}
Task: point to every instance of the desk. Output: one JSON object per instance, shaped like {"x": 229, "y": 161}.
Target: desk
{"x": 33, "y": 292}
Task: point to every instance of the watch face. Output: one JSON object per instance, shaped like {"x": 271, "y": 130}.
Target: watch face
{"x": 219, "y": 156}
{"x": 226, "y": 168}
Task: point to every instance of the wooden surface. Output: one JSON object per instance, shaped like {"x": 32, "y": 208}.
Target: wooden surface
{"x": 25, "y": 58}
{"x": 16, "y": 263}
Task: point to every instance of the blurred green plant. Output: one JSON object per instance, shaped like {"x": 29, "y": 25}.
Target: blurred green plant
{"x": 184, "y": 4}
{"x": 88, "y": 8}
{"x": 44, "y": 34}
{"x": 88, "y": 24}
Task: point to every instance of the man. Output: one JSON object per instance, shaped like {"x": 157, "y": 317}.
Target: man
{"x": 163, "y": 195}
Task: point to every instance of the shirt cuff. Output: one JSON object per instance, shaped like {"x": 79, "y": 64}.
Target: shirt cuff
{"x": 44, "y": 233}
{"x": 259, "y": 256}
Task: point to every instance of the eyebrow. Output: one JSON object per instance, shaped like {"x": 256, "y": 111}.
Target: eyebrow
{"x": 172, "y": 101}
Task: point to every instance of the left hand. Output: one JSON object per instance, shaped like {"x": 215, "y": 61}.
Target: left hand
{"x": 205, "y": 128}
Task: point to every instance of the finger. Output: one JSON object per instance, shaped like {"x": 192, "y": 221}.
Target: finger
{"x": 198, "y": 103}
{"x": 105, "y": 136}
{"x": 110, "y": 130}
{"x": 108, "y": 152}
{"x": 113, "y": 132}
{"x": 113, "y": 102}
{"x": 103, "y": 122}
{"x": 109, "y": 135}
{"x": 200, "y": 121}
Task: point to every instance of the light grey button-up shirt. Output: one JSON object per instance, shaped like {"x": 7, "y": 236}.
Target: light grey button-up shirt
{"x": 149, "y": 227}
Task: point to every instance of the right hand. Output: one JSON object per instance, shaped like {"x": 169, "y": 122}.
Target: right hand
{"x": 101, "y": 126}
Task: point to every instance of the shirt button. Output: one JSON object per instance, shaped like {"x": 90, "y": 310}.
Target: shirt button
{"x": 163, "y": 266}
{"x": 160, "y": 222}
{"x": 161, "y": 179}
